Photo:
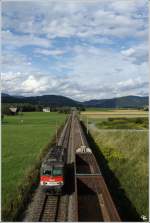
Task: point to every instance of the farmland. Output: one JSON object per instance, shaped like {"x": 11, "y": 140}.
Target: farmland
{"x": 23, "y": 140}
{"x": 137, "y": 123}
{"x": 122, "y": 139}
{"x": 106, "y": 113}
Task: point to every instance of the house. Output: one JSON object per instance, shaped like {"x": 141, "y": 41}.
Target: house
{"x": 13, "y": 110}
{"x": 46, "y": 109}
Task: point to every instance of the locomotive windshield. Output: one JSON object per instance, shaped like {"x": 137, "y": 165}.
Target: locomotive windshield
{"x": 57, "y": 171}
{"x": 47, "y": 172}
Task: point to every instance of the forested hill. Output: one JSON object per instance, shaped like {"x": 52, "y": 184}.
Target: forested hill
{"x": 57, "y": 100}
{"x": 122, "y": 102}
{"x": 45, "y": 100}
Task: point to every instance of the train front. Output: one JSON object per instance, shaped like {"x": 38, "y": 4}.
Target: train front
{"x": 52, "y": 177}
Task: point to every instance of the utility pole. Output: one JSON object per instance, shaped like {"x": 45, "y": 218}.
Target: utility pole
{"x": 72, "y": 139}
{"x": 56, "y": 134}
{"x": 87, "y": 127}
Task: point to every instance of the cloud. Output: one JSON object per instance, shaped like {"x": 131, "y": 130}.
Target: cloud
{"x": 132, "y": 84}
{"x": 138, "y": 53}
{"x": 15, "y": 62}
{"x": 16, "y": 41}
{"x": 128, "y": 52}
{"x": 128, "y": 6}
{"x": 49, "y": 52}
{"x": 39, "y": 85}
{"x": 66, "y": 19}
{"x": 84, "y": 50}
{"x": 94, "y": 73}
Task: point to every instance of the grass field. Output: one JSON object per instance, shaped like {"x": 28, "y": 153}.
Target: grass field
{"x": 114, "y": 113}
{"x": 92, "y": 109}
{"x": 23, "y": 140}
{"x": 123, "y": 123}
{"x": 126, "y": 153}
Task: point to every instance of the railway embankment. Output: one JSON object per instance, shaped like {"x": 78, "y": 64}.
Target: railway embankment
{"x": 124, "y": 205}
{"x": 88, "y": 186}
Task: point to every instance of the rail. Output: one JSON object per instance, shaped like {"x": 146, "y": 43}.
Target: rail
{"x": 54, "y": 208}
{"x": 86, "y": 196}
{"x": 94, "y": 202}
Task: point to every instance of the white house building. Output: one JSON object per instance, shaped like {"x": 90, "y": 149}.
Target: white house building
{"x": 46, "y": 109}
{"x": 13, "y": 110}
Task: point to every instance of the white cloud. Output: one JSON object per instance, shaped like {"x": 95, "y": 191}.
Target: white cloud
{"x": 94, "y": 73}
{"x": 31, "y": 84}
{"x": 92, "y": 35}
{"x": 128, "y": 52}
{"x": 10, "y": 39}
{"x": 49, "y": 52}
{"x": 138, "y": 53}
{"x": 66, "y": 19}
{"x": 15, "y": 62}
{"x": 128, "y": 6}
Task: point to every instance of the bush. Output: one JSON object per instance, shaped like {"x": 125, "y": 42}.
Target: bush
{"x": 110, "y": 119}
{"x": 139, "y": 120}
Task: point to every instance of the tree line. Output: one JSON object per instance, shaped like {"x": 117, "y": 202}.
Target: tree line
{"x": 26, "y": 107}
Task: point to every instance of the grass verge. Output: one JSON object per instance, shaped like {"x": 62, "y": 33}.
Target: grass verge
{"x": 123, "y": 159}
{"x": 22, "y": 153}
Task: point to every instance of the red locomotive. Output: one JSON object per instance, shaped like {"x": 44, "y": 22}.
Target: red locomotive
{"x": 52, "y": 176}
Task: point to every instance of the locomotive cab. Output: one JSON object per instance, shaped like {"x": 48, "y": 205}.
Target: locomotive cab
{"x": 52, "y": 178}
{"x": 53, "y": 171}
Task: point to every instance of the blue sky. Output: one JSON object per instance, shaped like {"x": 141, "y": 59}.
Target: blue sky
{"x": 90, "y": 50}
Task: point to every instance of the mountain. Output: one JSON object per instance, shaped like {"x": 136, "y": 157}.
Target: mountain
{"x": 57, "y": 100}
{"x": 121, "y": 102}
{"x": 45, "y": 100}
{"x": 5, "y": 95}
{"x": 18, "y": 96}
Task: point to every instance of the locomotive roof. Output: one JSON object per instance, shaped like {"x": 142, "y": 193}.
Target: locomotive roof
{"x": 52, "y": 164}
{"x": 54, "y": 155}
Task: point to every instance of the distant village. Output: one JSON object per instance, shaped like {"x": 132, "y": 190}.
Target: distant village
{"x": 18, "y": 110}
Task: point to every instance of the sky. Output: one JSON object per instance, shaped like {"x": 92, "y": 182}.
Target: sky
{"x": 93, "y": 49}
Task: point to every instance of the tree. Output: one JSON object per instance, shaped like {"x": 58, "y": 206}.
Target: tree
{"x": 2, "y": 117}
{"x": 146, "y": 108}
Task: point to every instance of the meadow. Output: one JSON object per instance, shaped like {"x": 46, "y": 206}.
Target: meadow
{"x": 123, "y": 123}
{"x": 126, "y": 153}
{"x": 24, "y": 138}
{"x": 110, "y": 113}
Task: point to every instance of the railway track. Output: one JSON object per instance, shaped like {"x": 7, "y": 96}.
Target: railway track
{"x": 86, "y": 196}
{"x": 50, "y": 209}
{"x": 45, "y": 207}
{"x": 94, "y": 202}
{"x": 53, "y": 205}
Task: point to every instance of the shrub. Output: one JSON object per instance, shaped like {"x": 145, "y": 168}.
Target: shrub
{"x": 139, "y": 120}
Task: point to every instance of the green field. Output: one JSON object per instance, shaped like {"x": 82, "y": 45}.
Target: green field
{"x": 93, "y": 109}
{"x": 96, "y": 109}
{"x": 23, "y": 140}
{"x": 110, "y": 113}
{"x": 126, "y": 154}
{"x": 123, "y": 123}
